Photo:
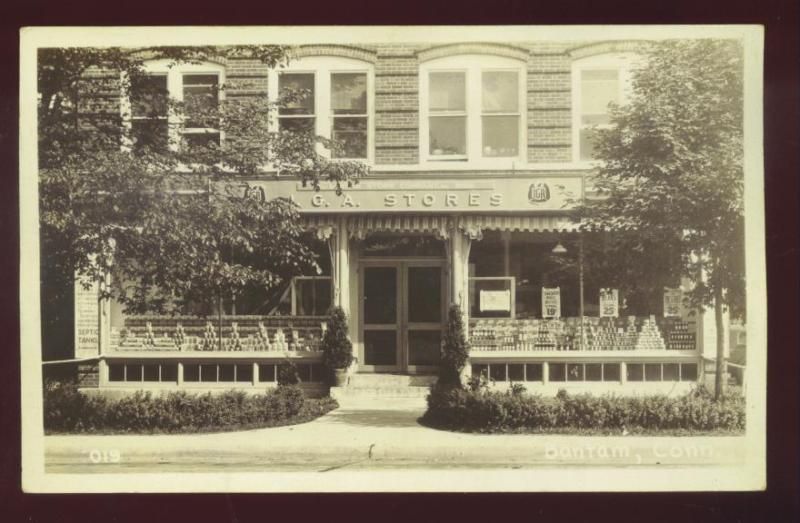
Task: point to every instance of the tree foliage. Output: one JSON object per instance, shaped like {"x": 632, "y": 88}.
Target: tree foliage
{"x": 670, "y": 176}
{"x": 169, "y": 220}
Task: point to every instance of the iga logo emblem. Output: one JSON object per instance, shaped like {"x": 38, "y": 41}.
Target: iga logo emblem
{"x": 538, "y": 192}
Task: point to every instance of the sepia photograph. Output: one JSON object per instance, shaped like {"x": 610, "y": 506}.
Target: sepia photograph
{"x": 392, "y": 259}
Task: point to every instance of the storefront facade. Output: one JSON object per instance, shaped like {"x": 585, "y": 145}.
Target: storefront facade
{"x": 478, "y": 154}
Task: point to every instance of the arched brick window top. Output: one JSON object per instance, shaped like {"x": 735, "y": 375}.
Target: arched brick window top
{"x": 341, "y": 51}
{"x": 504, "y": 50}
{"x": 621, "y": 46}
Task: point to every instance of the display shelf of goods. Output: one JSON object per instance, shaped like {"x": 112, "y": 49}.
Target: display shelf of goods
{"x": 679, "y": 337}
{"x": 564, "y": 334}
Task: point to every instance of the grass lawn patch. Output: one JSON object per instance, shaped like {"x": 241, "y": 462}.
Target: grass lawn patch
{"x": 67, "y": 411}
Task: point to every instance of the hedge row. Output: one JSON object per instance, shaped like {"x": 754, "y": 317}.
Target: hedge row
{"x": 484, "y": 410}
{"x": 67, "y": 410}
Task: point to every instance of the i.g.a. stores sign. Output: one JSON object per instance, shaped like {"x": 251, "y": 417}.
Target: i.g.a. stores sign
{"x": 506, "y": 194}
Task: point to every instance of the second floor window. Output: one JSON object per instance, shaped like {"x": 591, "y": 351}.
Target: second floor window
{"x": 330, "y": 98}
{"x": 154, "y": 123}
{"x": 472, "y": 109}
{"x": 598, "y": 82}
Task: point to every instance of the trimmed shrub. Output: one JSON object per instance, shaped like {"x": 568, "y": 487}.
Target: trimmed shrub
{"x": 337, "y": 349}
{"x": 67, "y": 410}
{"x": 482, "y": 410}
{"x": 288, "y": 374}
{"x": 455, "y": 349}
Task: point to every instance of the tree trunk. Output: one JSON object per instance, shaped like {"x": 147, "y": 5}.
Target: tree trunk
{"x": 722, "y": 366}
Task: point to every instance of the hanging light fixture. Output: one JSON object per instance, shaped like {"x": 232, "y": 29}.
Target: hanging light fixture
{"x": 559, "y": 249}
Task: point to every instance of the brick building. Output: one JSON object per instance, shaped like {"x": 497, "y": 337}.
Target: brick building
{"x": 477, "y": 153}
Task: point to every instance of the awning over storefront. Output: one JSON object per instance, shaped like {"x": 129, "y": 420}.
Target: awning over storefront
{"x": 522, "y": 223}
{"x": 359, "y": 226}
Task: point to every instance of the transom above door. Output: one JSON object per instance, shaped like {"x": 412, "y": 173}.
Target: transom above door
{"x": 402, "y": 314}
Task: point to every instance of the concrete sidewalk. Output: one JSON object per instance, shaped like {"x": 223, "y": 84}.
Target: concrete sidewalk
{"x": 361, "y": 434}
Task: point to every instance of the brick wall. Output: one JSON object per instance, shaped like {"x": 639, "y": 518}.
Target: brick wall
{"x": 396, "y": 66}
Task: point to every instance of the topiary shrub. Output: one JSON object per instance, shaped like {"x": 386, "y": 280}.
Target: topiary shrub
{"x": 337, "y": 349}
{"x": 455, "y": 349}
{"x": 288, "y": 374}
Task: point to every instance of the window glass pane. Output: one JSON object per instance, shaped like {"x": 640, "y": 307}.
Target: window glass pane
{"x": 500, "y": 136}
{"x": 575, "y": 372}
{"x": 297, "y": 92}
{"x": 380, "y": 347}
{"x": 351, "y": 135}
{"x": 594, "y": 372}
{"x": 150, "y": 133}
{"x": 191, "y": 372}
{"x": 304, "y": 295}
{"x": 611, "y": 372}
{"x": 244, "y": 372}
{"x": 201, "y": 140}
{"x": 447, "y": 91}
{"x": 490, "y": 298}
{"x": 598, "y": 89}
{"x": 151, "y": 372}
{"x": 169, "y": 372}
{"x": 479, "y": 369}
{"x": 380, "y": 295}
{"x": 297, "y": 125}
{"x": 424, "y": 347}
{"x": 317, "y": 372}
{"x": 200, "y": 98}
{"x": 149, "y": 96}
{"x": 133, "y": 373}
{"x": 323, "y": 296}
{"x": 497, "y": 371}
{"x": 448, "y": 135}
{"x": 349, "y": 93}
{"x": 304, "y": 373}
{"x": 635, "y": 372}
{"x": 533, "y": 372}
{"x": 266, "y": 372}
{"x": 516, "y": 372}
{"x": 586, "y": 144}
{"x": 500, "y": 91}
{"x": 688, "y": 372}
{"x": 208, "y": 372}
{"x": 424, "y": 295}
{"x": 558, "y": 372}
{"x": 116, "y": 372}
{"x": 652, "y": 372}
{"x": 226, "y": 372}
{"x": 671, "y": 372}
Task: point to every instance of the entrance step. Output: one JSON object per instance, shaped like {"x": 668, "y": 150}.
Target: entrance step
{"x": 365, "y": 386}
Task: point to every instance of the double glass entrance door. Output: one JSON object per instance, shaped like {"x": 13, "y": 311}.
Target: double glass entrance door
{"x": 402, "y": 311}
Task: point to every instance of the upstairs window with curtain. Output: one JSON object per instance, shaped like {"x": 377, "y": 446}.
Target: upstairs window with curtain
{"x": 349, "y": 114}
{"x": 149, "y": 121}
{"x": 447, "y": 115}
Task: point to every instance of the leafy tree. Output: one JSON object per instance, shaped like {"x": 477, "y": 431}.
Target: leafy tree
{"x": 670, "y": 174}
{"x": 455, "y": 349}
{"x": 168, "y": 219}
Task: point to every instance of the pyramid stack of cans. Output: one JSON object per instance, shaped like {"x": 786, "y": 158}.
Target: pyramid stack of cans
{"x": 649, "y": 336}
{"x": 599, "y": 334}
